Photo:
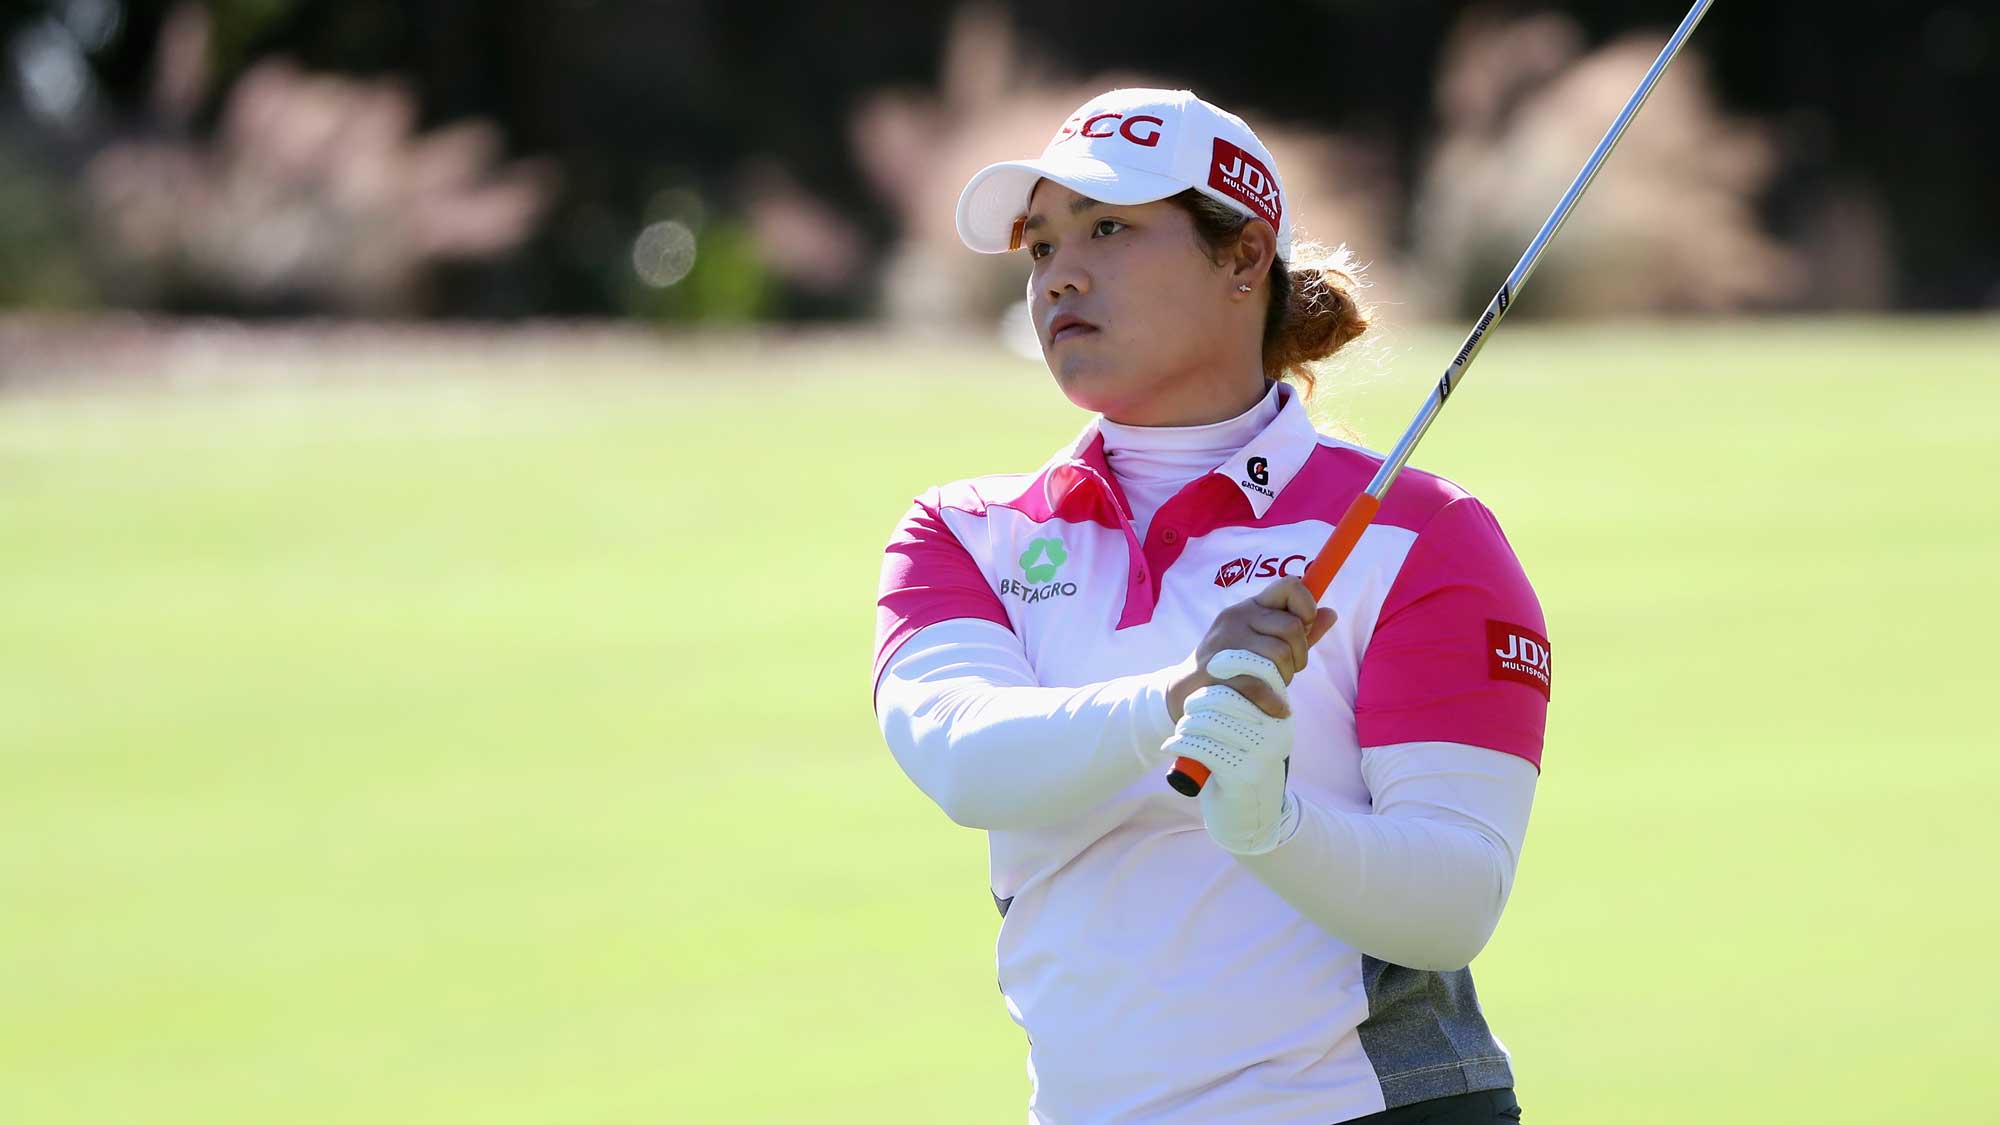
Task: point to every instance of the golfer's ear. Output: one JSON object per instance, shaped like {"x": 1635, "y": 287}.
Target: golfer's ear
{"x": 1256, "y": 248}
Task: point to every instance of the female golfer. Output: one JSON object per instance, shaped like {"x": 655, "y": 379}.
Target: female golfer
{"x": 1291, "y": 948}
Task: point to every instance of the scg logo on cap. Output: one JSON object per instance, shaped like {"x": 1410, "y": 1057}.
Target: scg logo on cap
{"x": 1097, "y": 126}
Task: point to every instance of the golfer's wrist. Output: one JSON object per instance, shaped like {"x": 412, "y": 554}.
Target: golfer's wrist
{"x": 1183, "y": 680}
{"x": 1158, "y": 712}
{"x": 1281, "y": 833}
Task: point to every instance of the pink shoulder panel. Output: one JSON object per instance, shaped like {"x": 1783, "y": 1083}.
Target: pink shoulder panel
{"x": 1460, "y": 652}
{"x": 1335, "y": 474}
{"x": 928, "y": 576}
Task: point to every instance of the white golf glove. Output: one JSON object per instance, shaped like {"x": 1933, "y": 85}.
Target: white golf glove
{"x": 1246, "y": 804}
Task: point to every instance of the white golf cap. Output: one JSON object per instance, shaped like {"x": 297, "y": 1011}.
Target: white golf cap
{"x": 1127, "y": 147}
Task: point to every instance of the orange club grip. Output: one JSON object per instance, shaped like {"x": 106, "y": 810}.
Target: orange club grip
{"x": 1339, "y": 545}
{"x": 1188, "y": 775}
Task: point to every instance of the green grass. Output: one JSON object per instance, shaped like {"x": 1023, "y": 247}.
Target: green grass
{"x": 498, "y": 749}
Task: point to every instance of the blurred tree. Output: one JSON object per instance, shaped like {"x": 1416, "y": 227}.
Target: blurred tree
{"x": 1878, "y": 102}
{"x": 1671, "y": 222}
{"x": 1886, "y": 151}
{"x": 310, "y": 192}
{"x": 38, "y": 264}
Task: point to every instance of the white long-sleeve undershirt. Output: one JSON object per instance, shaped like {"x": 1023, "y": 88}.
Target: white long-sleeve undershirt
{"x": 1422, "y": 878}
{"x": 1418, "y": 881}
{"x": 962, "y": 712}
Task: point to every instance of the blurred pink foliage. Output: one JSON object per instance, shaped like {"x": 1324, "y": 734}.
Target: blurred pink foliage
{"x": 798, "y": 236}
{"x": 316, "y": 190}
{"x": 995, "y": 103}
{"x": 1669, "y": 225}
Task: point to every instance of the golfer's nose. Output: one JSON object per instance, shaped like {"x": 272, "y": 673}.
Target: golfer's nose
{"x": 1063, "y": 275}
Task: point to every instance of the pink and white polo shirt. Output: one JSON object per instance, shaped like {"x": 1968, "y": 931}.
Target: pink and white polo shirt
{"x": 1127, "y": 936}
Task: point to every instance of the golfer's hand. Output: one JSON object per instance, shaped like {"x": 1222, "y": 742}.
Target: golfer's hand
{"x": 1281, "y": 623}
{"x": 1246, "y": 805}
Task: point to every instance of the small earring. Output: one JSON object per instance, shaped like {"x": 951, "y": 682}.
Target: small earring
{"x": 1243, "y": 289}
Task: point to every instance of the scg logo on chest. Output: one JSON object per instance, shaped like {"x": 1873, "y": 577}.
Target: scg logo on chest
{"x": 1263, "y": 566}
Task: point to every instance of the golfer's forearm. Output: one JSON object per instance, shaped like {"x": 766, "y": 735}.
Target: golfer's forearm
{"x": 1411, "y": 892}
{"x": 967, "y": 724}
{"x": 1422, "y": 880}
{"x": 1018, "y": 757}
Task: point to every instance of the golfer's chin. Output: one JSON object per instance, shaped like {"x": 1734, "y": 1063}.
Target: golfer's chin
{"x": 1092, "y": 382}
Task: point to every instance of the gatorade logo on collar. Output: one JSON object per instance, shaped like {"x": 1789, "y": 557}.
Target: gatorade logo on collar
{"x": 1257, "y": 475}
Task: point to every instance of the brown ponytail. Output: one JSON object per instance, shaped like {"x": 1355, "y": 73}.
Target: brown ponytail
{"x": 1313, "y": 310}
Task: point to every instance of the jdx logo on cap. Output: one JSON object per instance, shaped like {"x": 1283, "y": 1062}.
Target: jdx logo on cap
{"x": 1243, "y": 177}
{"x": 1518, "y": 653}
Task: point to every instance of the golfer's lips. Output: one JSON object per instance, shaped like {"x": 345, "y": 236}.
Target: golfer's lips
{"x": 1067, "y": 325}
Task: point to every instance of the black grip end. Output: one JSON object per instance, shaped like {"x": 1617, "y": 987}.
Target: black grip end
{"x": 1183, "y": 784}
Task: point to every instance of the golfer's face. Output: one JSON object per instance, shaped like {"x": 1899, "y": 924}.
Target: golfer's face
{"x": 1139, "y": 276}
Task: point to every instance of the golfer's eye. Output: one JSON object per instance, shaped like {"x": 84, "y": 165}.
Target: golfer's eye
{"x": 1035, "y": 250}
{"x": 1102, "y": 223}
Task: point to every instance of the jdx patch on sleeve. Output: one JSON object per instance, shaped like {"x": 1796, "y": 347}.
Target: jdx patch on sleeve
{"x": 1517, "y": 653}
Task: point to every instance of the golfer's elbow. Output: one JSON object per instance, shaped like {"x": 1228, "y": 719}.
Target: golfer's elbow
{"x": 1480, "y": 919}
{"x": 962, "y": 802}
{"x": 954, "y": 787}
{"x": 1451, "y": 951}
{"x": 1456, "y": 934}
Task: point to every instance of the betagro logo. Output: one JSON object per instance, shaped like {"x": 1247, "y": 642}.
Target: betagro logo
{"x": 1042, "y": 559}
{"x": 1039, "y": 564}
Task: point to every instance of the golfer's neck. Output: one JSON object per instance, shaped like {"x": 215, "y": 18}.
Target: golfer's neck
{"x": 1196, "y": 401}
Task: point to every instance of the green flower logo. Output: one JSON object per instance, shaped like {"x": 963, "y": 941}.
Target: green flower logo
{"x": 1042, "y": 558}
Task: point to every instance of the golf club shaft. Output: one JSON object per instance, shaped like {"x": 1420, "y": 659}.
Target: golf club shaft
{"x": 1189, "y": 776}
